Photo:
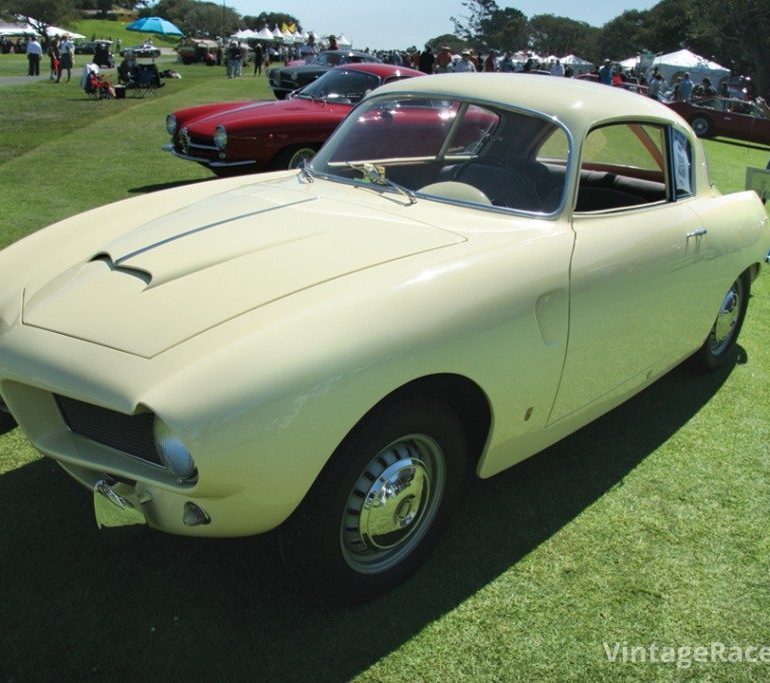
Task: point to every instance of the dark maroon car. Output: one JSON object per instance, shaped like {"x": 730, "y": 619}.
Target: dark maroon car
{"x": 730, "y": 117}
{"x": 247, "y": 137}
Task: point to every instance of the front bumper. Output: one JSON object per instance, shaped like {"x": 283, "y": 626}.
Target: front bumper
{"x": 213, "y": 163}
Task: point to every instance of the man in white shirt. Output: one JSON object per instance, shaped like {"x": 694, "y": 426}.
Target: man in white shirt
{"x": 465, "y": 63}
{"x": 557, "y": 68}
{"x": 34, "y": 53}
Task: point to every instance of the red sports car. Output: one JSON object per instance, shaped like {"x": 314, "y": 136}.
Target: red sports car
{"x": 246, "y": 137}
{"x": 730, "y": 117}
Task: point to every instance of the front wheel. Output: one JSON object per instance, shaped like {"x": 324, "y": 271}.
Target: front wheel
{"x": 293, "y": 157}
{"x": 380, "y": 504}
{"x": 727, "y": 326}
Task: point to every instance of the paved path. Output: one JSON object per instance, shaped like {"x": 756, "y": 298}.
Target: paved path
{"x": 18, "y": 80}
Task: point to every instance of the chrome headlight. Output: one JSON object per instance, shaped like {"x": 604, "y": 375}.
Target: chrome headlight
{"x": 220, "y": 138}
{"x": 171, "y": 124}
{"x": 172, "y": 451}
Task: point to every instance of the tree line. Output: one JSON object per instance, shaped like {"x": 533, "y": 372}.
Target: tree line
{"x": 734, "y": 33}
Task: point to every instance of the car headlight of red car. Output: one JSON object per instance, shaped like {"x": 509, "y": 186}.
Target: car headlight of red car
{"x": 171, "y": 124}
{"x": 220, "y": 138}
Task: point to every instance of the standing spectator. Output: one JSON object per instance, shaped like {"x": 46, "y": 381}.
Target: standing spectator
{"x": 427, "y": 61}
{"x": 233, "y": 59}
{"x": 34, "y": 53}
{"x": 465, "y": 64}
{"x": 724, "y": 89}
{"x": 507, "y": 64}
{"x": 605, "y": 73}
{"x": 244, "y": 60}
{"x": 54, "y": 55}
{"x": 67, "y": 49}
{"x": 490, "y": 63}
{"x": 309, "y": 50}
{"x": 333, "y": 43}
{"x": 557, "y": 69}
{"x": 685, "y": 88}
{"x": 657, "y": 85}
{"x": 708, "y": 90}
{"x": 259, "y": 57}
{"x": 443, "y": 60}
{"x": 118, "y": 43}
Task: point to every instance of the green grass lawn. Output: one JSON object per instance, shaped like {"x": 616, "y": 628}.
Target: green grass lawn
{"x": 649, "y": 526}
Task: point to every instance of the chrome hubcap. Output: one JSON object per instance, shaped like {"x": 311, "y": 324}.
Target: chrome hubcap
{"x": 300, "y": 157}
{"x": 392, "y": 504}
{"x": 727, "y": 319}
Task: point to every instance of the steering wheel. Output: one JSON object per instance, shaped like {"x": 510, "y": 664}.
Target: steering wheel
{"x": 504, "y": 185}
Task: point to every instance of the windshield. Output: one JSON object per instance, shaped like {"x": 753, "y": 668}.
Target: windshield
{"x": 340, "y": 85}
{"x": 452, "y": 150}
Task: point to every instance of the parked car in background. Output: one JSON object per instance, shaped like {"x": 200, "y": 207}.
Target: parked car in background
{"x": 245, "y": 137}
{"x": 285, "y": 79}
{"x": 630, "y": 85}
{"x": 728, "y": 117}
{"x": 473, "y": 267}
{"x": 198, "y": 50}
{"x": 141, "y": 51}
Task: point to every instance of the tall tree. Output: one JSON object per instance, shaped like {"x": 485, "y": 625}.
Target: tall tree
{"x": 41, "y": 13}
{"x": 505, "y": 29}
{"x": 270, "y": 20}
{"x": 470, "y": 28}
{"x": 551, "y": 35}
{"x": 737, "y": 33}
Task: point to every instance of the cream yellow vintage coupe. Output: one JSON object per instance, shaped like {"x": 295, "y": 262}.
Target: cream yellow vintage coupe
{"x": 473, "y": 267}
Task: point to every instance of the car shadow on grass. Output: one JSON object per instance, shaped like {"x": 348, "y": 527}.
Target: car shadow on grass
{"x": 85, "y": 604}
{"x": 746, "y": 145}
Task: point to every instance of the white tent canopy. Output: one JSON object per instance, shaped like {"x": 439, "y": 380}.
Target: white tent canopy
{"x": 578, "y": 64}
{"x": 265, "y": 34}
{"x": 698, "y": 67}
{"x": 342, "y": 41}
{"x": 244, "y": 34}
{"x": 52, "y": 31}
{"x": 16, "y": 30}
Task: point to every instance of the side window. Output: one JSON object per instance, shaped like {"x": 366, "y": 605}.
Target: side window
{"x": 623, "y": 165}
{"x": 681, "y": 160}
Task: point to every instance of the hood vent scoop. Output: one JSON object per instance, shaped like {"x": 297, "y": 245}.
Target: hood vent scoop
{"x": 106, "y": 259}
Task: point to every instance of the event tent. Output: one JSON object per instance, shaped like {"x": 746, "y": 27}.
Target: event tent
{"x": 578, "y": 64}
{"x": 698, "y": 67}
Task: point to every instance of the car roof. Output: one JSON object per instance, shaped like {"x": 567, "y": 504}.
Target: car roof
{"x": 378, "y": 69}
{"x": 577, "y": 103}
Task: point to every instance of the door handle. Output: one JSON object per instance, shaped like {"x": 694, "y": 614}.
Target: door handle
{"x": 697, "y": 232}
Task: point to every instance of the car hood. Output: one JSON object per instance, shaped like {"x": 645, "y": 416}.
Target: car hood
{"x": 269, "y": 113}
{"x": 170, "y": 278}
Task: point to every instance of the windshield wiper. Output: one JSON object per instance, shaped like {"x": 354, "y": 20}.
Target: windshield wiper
{"x": 375, "y": 175}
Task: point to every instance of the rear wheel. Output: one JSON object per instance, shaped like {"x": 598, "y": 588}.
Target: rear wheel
{"x": 279, "y": 94}
{"x": 727, "y": 326}
{"x": 702, "y": 126}
{"x": 380, "y": 504}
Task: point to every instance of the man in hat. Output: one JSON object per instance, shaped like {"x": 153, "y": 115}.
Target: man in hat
{"x": 443, "y": 60}
{"x": 465, "y": 64}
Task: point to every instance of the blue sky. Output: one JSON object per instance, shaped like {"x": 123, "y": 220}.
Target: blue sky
{"x": 401, "y": 23}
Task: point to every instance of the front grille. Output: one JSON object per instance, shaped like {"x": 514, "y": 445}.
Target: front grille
{"x": 131, "y": 434}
